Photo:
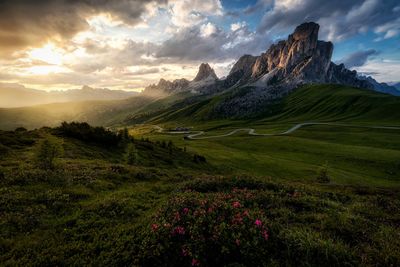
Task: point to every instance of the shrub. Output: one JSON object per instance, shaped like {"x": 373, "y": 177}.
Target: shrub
{"x": 46, "y": 153}
{"x": 84, "y": 132}
{"x": 208, "y": 230}
{"x": 131, "y": 154}
{"x": 323, "y": 176}
{"x": 199, "y": 159}
{"x": 20, "y": 129}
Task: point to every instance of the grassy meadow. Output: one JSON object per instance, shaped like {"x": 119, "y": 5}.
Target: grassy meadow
{"x": 323, "y": 195}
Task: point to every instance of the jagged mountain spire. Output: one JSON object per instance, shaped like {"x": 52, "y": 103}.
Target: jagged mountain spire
{"x": 205, "y": 72}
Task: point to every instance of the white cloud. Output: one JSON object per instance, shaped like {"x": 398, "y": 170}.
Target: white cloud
{"x": 238, "y": 25}
{"x": 207, "y": 29}
{"x": 185, "y": 13}
{"x": 389, "y": 29}
{"x": 382, "y": 70}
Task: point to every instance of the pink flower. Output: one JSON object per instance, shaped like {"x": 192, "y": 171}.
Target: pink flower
{"x": 246, "y": 213}
{"x": 185, "y": 210}
{"x": 237, "y": 219}
{"x": 237, "y": 241}
{"x": 185, "y": 252}
{"x": 265, "y": 234}
{"x": 177, "y": 216}
{"x": 258, "y": 223}
{"x": 210, "y": 210}
{"x": 179, "y": 230}
{"x": 236, "y": 204}
{"x": 195, "y": 262}
{"x": 154, "y": 227}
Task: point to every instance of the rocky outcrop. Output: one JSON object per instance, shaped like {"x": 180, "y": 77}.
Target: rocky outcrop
{"x": 204, "y": 82}
{"x": 381, "y": 87}
{"x": 301, "y": 59}
{"x": 241, "y": 71}
{"x": 205, "y": 72}
{"x": 165, "y": 87}
{"x": 340, "y": 75}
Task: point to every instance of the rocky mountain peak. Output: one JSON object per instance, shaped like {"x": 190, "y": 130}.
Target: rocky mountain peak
{"x": 287, "y": 64}
{"x": 300, "y": 55}
{"x": 205, "y": 72}
{"x": 306, "y": 31}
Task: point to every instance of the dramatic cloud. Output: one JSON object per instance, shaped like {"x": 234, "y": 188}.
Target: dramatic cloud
{"x": 209, "y": 43}
{"x": 128, "y": 44}
{"x": 341, "y": 18}
{"x": 30, "y": 23}
{"x": 358, "y": 58}
{"x": 190, "y": 12}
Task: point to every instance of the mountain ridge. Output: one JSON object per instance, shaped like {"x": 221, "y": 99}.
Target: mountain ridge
{"x": 9, "y": 93}
{"x": 298, "y": 60}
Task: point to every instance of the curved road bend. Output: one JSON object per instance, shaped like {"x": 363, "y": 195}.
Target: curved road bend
{"x": 250, "y": 131}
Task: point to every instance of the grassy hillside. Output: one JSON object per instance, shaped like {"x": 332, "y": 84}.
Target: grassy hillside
{"x": 94, "y": 209}
{"x": 308, "y": 103}
{"x": 338, "y": 103}
{"x": 312, "y": 102}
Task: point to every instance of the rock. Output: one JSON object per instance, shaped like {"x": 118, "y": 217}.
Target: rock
{"x": 165, "y": 87}
{"x": 381, "y": 87}
{"x": 242, "y": 70}
{"x": 204, "y": 82}
{"x": 205, "y": 72}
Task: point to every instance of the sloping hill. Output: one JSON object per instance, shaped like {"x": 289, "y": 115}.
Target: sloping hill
{"x": 94, "y": 112}
{"x": 336, "y": 102}
{"x": 310, "y": 102}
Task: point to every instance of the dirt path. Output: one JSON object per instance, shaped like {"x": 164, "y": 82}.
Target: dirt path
{"x": 250, "y": 131}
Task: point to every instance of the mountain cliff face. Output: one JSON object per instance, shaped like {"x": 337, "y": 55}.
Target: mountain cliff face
{"x": 205, "y": 72}
{"x": 300, "y": 59}
{"x": 288, "y": 64}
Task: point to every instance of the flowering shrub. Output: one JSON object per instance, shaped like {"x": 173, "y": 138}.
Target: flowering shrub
{"x": 213, "y": 229}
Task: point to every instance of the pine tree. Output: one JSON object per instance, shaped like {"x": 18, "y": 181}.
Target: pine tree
{"x": 131, "y": 154}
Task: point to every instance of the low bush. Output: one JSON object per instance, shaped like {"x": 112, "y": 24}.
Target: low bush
{"x": 84, "y": 132}
{"x": 208, "y": 230}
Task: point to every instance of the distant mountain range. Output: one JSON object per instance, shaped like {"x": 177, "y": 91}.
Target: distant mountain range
{"x": 293, "y": 77}
{"x": 396, "y": 85}
{"x": 16, "y": 95}
{"x": 301, "y": 59}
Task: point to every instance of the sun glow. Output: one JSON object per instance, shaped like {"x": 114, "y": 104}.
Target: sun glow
{"x": 49, "y": 54}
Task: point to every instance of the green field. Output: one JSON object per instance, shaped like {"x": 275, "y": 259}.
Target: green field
{"x": 322, "y": 195}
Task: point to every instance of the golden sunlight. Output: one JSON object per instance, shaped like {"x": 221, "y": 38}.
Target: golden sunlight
{"x": 43, "y": 70}
{"x": 49, "y": 54}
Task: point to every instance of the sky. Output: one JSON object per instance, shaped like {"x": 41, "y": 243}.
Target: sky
{"x": 129, "y": 44}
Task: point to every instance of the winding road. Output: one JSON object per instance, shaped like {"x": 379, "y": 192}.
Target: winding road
{"x": 250, "y": 131}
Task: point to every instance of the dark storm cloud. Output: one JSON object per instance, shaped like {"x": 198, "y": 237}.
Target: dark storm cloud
{"x": 30, "y": 22}
{"x": 192, "y": 45}
{"x": 340, "y": 18}
{"x": 358, "y": 58}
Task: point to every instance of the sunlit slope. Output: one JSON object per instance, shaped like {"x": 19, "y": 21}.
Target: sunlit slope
{"x": 336, "y": 102}
{"x": 308, "y": 103}
{"x": 94, "y": 112}
{"x": 99, "y": 113}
